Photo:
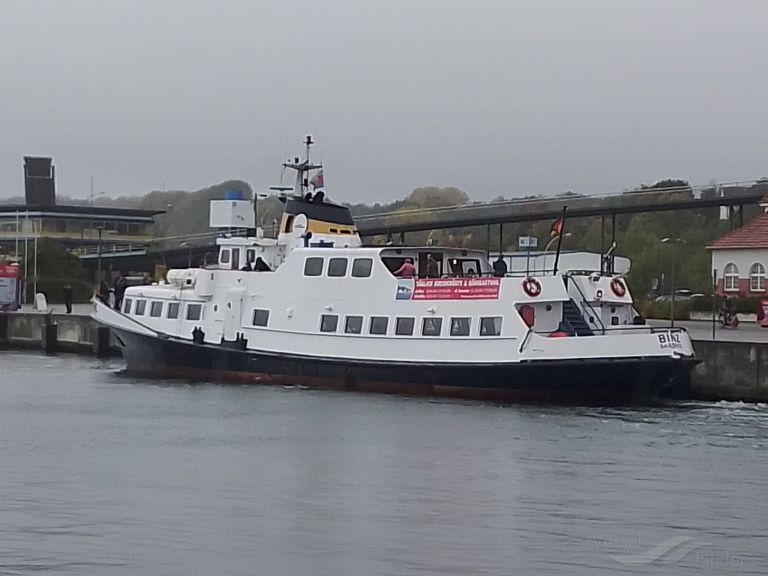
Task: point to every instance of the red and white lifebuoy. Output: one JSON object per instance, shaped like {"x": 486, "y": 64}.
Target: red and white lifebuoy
{"x": 532, "y": 287}
{"x": 618, "y": 287}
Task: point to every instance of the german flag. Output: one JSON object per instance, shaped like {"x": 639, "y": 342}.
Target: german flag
{"x": 557, "y": 228}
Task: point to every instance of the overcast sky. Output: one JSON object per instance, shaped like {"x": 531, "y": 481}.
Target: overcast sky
{"x": 496, "y": 97}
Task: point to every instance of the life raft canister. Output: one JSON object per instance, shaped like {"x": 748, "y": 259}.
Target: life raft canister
{"x": 618, "y": 288}
{"x": 532, "y": 287}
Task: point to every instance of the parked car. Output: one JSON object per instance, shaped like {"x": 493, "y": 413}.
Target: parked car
{"x": 680, "y": 296}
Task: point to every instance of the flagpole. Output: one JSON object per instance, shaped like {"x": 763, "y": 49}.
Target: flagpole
{"x": 560, "y": 239}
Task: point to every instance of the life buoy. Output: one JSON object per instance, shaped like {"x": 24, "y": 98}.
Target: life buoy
{"x": 618, "y": 288}
{"x": 531, "y": 287}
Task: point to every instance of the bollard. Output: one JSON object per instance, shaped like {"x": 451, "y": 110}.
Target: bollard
{"x": 50, "y": 335}
{"x": 3, "y": 327}
{"x": 101, "y": 344}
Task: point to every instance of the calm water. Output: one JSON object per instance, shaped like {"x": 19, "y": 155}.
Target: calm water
{"x": 102, "y": 474}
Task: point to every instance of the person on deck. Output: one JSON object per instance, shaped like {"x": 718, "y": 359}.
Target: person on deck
{"x": 407, "y": 270}
{"x": 499, "y": 267}
{"x": 432, "y": 268}
{"x": 120, "y": 285}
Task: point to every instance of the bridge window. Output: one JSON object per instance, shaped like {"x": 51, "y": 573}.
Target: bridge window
{"x": 141, "y": 307}
{"x": 757, "y": 278}
{"x": 225, "y": 255}
{"x": 337, "y": 267}
{"x": 127, "y": 306}
{"x": 353, "y": 325}
{"x": 378, "y": 325}
{"x": 313, "y": 267}
{"x": 260, "y": 317}
{"x": 361, "y": 267}
{"x": 329, "y": 322}
{"x": 490, "y": 326}
{"x": 404, "y": 326}
{"x": 156, "y": 309}
{"x": 173, "y": 310}
{"x": 194, "y": 312}
{"x": 459, "y": 326}
{"x": 431, "y": 326}
{"x": 731, "y": 276}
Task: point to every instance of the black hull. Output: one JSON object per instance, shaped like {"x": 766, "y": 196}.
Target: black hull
{"x": 574, "y": 381}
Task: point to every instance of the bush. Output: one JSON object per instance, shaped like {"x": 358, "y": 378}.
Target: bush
{"x": 663, "y": 310}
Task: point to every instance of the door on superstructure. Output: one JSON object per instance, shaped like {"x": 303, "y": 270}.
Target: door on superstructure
{"x": 233, "y": 308}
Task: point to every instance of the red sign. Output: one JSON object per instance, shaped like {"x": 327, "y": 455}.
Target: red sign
{"x": 456, "y": 289}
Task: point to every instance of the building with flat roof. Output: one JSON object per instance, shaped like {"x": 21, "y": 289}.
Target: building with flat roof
{"x": 83, "y": 229}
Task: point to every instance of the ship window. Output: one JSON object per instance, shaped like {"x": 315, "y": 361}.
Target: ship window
{"x": 156, "y": 309}
{"x": 404, "y": 326}
{"x": 337, "y": 267}
{"x": 329, "y": 322}
{"x": 431, "y": 326}
{"x": 353, "y": 325}
{"x": 224, "y": 257}
{"x": 127, "y": 306}
{"x": 346, "y": 231}
{"x": 250, "y": 256}
{"x": 334, "y": 230}
{"x": 459, "y": 326}
{"x": 260, "y": 317}
{"x": 313, "y": 267}
{"x": 361, "y": 267}
{"x": 194, "y": 311}
{"x": 173, "y": 310}
{"x": 378, "y": 325}
{"x": 490, "y": 326}
{"x": 141, "y": 306}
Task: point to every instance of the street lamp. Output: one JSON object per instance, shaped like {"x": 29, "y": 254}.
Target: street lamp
{"x": 189, "y": 253}
{"x": 100, "y": 228}
{"x": 674, "y": 242}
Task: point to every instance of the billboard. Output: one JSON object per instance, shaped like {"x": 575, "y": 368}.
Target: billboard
{"x": 448, "y": 289}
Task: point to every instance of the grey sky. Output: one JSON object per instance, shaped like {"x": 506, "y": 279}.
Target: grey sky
{"x": 495, "y": 97}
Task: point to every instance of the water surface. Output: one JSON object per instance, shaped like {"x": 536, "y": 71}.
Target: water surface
{"x": 105, "y": 474}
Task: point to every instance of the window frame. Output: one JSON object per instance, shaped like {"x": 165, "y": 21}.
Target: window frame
{"x": 365, "y": 261}
{"x": 152, "y": 309}
{"x": 328, "y": 317}
{"x": 190, "y": 306}
{"x": 493, "y": 319}
{"x": 455, "y": 320}
{"x": 353, "y": 317}
{"x": 265, "y": 322}
{"x": 731, "y": 277}
{"x": 432, "y": 319}
{"x": 127, "y": 305}
{"x": 141, "y": 303}
{"x": 399, "y": 320}
{"x": 225, "y": 252}
{"x": 176, "y": 306}
{"x": 386, "y": 325}
{"x": 314, "y": 259}
{"x": 335, "y": 260}
{"x": 759, "y": 276}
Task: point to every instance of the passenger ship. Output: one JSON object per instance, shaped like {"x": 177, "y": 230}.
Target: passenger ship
{"x": 329, "y": 312}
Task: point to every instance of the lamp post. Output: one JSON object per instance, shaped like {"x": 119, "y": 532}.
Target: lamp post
{"x": 189, "y": 253}
{"x": 98, "y": 248}
{"x": 674, "y": 242}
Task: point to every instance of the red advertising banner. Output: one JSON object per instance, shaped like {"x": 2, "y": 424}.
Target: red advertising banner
{"x": 456, "y": 289}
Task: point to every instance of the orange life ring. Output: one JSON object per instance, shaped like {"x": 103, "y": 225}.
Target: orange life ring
{"x": 531, "y": 287}
{"x": 618, "y": 288}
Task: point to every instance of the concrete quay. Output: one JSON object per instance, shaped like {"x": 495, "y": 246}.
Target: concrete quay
{"x": 55, "y": 331}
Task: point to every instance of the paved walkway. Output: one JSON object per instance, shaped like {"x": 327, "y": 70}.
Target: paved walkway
{"x": 702, "y": 330}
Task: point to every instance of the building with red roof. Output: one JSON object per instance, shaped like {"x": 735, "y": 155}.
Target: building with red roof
{"x": 739, "y": 258}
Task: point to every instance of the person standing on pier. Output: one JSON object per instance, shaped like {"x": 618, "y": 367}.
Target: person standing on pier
{"x": 67, "y": 291}
{"x": 120, "y": 285}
